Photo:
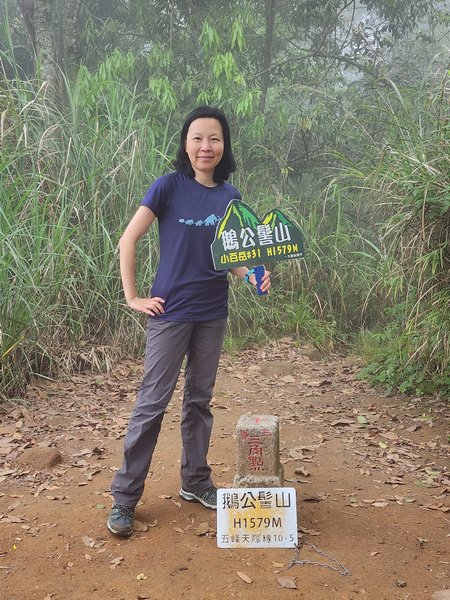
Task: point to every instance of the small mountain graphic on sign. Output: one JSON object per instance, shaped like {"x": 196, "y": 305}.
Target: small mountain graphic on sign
{"x": 238, "y": 216}
{"x": 271, "y": 218}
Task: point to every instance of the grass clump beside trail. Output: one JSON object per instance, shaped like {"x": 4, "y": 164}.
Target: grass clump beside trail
{"x": 70, "y": 178}
{"x": 409, "y": 350}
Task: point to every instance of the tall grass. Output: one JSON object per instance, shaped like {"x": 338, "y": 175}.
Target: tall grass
{"x": 410, "y": 189}
{"x": 69, "y": 181}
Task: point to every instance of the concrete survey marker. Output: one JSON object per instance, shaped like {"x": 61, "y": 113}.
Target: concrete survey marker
{"x": 258, "y": 452}
{"x": 256, "y": 518}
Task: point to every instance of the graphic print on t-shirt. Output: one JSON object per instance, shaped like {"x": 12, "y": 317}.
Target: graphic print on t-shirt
{"x": 208, "y": 222}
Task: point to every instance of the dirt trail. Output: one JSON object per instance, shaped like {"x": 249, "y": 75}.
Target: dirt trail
{"x": 371, "y": 475}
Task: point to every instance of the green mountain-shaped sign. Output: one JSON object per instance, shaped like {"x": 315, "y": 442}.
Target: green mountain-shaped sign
{"x": 243, "y": 239}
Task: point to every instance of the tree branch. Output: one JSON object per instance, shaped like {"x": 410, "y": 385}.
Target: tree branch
{"x": 339, "y": 58}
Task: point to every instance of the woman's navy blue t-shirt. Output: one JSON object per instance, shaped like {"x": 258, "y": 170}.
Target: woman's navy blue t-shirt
{"x": 188, "y": 213}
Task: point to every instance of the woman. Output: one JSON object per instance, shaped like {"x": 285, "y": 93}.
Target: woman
{"x": 187, "y": 310}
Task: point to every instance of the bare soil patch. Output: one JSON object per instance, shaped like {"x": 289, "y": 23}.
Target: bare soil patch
{"x": 371, "y": 475}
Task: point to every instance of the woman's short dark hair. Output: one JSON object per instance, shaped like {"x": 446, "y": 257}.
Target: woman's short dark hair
{"x": 227, "y": 163}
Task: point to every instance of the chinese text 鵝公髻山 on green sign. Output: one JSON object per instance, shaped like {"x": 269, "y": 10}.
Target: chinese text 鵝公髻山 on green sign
{"x": 243, "y": 239}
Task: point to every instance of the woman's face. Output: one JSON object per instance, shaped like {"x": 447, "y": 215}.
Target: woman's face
{"x": 204, "y": 146}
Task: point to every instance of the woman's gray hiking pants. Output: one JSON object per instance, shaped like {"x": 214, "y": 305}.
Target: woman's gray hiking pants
{"x": 168, "y": 342}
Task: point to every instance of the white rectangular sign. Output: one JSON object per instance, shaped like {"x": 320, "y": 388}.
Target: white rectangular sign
{"x": 256, "y": 518}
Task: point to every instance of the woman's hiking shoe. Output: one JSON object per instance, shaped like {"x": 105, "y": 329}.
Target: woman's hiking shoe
{"x": 120, "y": 520}
{"x": 206, "y": 497}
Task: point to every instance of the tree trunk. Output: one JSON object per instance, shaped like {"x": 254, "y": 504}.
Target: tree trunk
{"x": 268, "y": 42}
{"x": 27, "y": 9}
{"x": 45, "y": 41}
{"x": 70, "y": 57}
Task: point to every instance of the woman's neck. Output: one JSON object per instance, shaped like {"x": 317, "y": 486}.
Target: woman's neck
{"x": 206, "y": 180}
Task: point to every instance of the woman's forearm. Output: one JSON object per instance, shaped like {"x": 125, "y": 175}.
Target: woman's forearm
{"x": 136, "y": 228}
{"x": 127, "y": 249}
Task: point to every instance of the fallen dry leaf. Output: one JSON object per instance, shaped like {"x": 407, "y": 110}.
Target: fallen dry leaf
{"x": 318, "y": 382}
{"x": 440, "y": 507}
{"x": 178, "y": 529}
{"x": 308, "y": 531}
{"x": 296, "y": 453}
{"x": 11, "y": 519}
{"x": 85, "y": 452}
{"x": 88, "y": 541}
{"x": 202, "y": 529}
{"x": 140, "y": 526}
{"x": 422, "y": 541}
{"x": 342, "y": 422}
{"x": 302, "y": 471}
{"x": 14, "y": 504}
{"x": 244, "y": 577}
{"x": 40, "y": 489}
{"x": 287, "y": 582}
{"x": 413, "y": 428}
{"x": 115, "y": 561}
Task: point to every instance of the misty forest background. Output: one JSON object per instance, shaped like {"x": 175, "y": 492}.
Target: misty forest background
{"x": 340, "y": 116}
